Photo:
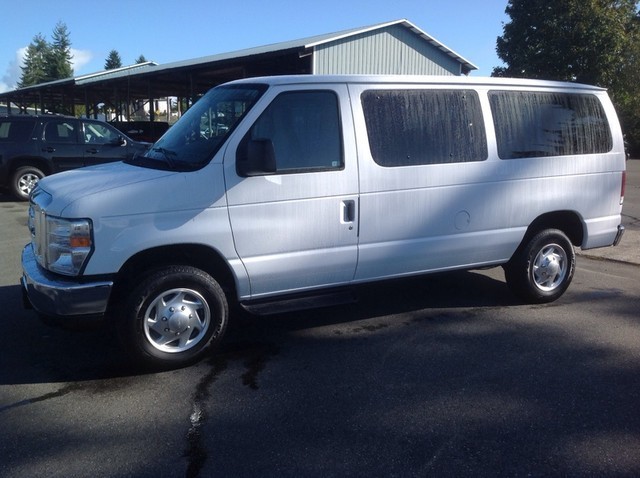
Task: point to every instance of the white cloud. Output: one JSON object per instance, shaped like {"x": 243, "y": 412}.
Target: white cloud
{"x": 12, "y": 74}
{"x": 80, "y": 59}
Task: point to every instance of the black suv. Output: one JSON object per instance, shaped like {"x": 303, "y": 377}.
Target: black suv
{"x": 34, "y": 146}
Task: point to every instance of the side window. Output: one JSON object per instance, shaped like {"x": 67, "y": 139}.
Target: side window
{"x": 97, "y": 133}
{"x": 537, "y": 124}
{"x": 304, "y": 129}
{"x": 18, "y": 130}
{"x": 415, "y": 127}
{"x": 60, "y": 132}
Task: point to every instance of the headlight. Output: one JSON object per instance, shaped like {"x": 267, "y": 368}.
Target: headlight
{"x": 69, "y": 245}
{"x": 61, "y": 245}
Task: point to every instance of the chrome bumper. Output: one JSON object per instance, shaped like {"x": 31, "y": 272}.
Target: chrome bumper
{"x": 57, "y": 296}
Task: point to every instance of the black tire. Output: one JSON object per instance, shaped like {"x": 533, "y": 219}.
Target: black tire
{"x": 173, "y": 317}
{"x": 23, "y": 180}
{"x": 542, "y": 269}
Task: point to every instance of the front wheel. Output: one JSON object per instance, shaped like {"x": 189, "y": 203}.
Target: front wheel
{"x": 173, "y": 316}
{"x": 542, "y": 270}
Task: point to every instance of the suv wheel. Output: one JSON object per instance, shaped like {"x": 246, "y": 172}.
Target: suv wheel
{"x": 23, "y": 181}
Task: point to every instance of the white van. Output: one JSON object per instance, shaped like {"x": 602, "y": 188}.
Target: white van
{"x": 277, "y": 193}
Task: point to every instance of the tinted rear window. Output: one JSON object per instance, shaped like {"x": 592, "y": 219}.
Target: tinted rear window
{"x": 413, "y": 127}
{"x": 11, "y": 130}
{"x": 537, "y": 124}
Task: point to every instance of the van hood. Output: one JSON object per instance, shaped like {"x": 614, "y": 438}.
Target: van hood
{"x": 102, "y": 180}
{"x": 98, "y": 178}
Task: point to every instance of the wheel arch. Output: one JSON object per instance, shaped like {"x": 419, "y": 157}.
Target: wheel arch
{"x": 34, "y": 161}
{"x": 568, "y": 222}
{"x": 195, "y": 255}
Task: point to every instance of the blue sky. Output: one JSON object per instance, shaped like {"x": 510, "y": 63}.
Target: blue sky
{"x": 165, "y": 30}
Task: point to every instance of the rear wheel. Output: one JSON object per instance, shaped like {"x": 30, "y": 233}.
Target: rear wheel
{"x": 23, "y": 181}
{"x": 542, "y": 270}
{"x": 173, "y": 317}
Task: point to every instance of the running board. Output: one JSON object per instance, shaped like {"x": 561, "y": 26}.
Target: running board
{"x": 299, "y": 302}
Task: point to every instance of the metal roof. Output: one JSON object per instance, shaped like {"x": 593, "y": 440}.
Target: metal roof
{"x": 303, "y": 43}
{"x": 189, "y": 78}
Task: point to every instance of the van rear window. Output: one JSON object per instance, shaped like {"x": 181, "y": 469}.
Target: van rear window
{"x": 414, "y": 127}
{"x": 538, "y": 124}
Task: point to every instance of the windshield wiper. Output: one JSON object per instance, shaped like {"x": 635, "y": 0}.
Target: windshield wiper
{"x": 168, "y": 155}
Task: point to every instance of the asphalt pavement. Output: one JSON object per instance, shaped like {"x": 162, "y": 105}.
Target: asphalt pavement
{"x": 629, "y": 248}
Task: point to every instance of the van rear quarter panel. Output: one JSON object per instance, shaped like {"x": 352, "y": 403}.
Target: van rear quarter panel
{"x": 461, "y": 215}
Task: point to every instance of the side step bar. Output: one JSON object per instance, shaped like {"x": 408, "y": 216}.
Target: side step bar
{"x": 292, "y": 303}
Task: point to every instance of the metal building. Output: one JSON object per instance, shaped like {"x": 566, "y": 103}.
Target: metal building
{"x": 396, "y": 47}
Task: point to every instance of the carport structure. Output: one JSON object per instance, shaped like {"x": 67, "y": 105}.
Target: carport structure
{"x": 397, "y": 47}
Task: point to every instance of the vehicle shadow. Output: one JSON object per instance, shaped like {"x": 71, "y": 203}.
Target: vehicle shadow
{"x": 6, "y": 197}
{"x": 34, "y": 352}
{"x": 410, "y": 297}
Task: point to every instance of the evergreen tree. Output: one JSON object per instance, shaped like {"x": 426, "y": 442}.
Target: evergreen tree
{"x": 141, "y": 59}
{"x": 59, "y": 62}
{"x": 34, "y": 67}
{"x": 113, "y": 61}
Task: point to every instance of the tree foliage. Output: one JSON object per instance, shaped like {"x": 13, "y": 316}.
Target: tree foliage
{"x": 141, "y": 59}
{"x": 34, "y": 68}
{"x": 113, "y": 61}
{"x": 60, "y": 53}
{"x": 47, "y": 61}
{"x": 587, "y": 41}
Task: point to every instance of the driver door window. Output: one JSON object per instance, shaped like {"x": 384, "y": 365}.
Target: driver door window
{"x": 304, "y": 129}
{"x": 96, "y": 133}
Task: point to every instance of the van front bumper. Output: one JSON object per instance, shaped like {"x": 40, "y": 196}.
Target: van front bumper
{"x": 56, "y": 296}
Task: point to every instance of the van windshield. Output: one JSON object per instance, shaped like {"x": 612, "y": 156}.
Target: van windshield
{"x": 193, "y": 141}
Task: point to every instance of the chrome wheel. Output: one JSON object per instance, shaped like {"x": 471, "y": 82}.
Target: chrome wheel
{"x": 23, "y": 180}
{"x": 177, "y": 320}
{"x": 27, "y": 182}
{"x": 550, "y": 267}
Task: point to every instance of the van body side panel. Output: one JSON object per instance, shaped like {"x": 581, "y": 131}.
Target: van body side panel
{"x": 435, "y": 227}
{"x": 295, "y": 230}
{"x": 479, "y": 221}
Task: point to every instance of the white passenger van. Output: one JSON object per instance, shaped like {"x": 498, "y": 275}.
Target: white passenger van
{"x": 276, "y": 193}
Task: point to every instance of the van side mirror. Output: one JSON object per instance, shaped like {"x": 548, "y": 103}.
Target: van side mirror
{"x": 259, "y": 158}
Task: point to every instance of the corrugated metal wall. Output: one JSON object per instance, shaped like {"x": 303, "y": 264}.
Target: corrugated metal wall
{"x": 391, "y": 51}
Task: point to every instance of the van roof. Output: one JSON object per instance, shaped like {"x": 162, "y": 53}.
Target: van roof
{"x": 409, "y": 79}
